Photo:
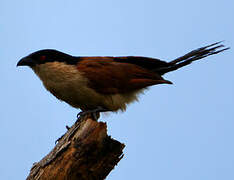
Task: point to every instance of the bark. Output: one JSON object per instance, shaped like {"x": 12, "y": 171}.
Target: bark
{"x": 84, "y": 152}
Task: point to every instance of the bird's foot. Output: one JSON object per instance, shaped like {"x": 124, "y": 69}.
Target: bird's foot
{"x": 94, "y": 113}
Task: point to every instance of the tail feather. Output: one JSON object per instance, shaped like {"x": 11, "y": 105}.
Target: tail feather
{"x": 192, "y": 56}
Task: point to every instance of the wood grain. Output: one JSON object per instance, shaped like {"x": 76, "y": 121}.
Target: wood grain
{"x": 85, "y": 152}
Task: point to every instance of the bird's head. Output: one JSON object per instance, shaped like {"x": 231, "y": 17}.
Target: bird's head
{"x": 45, "y": 56}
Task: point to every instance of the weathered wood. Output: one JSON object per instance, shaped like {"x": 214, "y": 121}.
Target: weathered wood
{"x": 85, "y": 152}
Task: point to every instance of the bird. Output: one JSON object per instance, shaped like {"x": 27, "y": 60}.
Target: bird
{"x": 104, "y": 83}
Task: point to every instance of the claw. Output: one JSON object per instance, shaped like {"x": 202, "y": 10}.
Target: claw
{"x": 95, "y": 113}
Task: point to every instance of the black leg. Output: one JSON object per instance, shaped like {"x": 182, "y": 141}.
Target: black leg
{"x": 95, "y": 113}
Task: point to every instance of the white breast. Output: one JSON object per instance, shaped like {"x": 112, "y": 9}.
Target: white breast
{"x": 69, "y": 85}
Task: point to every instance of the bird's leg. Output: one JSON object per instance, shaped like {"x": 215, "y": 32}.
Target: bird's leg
{"x": 95, "y": 113}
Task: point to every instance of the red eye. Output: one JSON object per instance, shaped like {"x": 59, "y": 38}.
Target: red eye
{"x": 43, "y": 58}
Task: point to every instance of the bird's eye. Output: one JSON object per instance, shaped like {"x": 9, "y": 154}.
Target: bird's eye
{"x": 42, "y": 58}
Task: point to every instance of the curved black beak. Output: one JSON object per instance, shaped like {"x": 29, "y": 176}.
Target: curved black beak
{"x": 26, "y": 61}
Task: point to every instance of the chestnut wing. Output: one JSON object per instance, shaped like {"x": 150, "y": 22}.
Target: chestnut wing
{"x": 108, "y": 75}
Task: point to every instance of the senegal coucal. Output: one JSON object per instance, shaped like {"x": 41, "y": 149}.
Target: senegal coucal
{"x": 98, "y": 84}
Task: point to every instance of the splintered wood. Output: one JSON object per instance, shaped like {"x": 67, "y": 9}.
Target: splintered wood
{"x": 84, "y": 152}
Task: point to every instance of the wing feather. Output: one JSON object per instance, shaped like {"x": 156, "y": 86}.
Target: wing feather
{"x": 113, "y": 75}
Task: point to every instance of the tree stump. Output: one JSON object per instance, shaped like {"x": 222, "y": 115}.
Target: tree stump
{"x": 84, "y": 152}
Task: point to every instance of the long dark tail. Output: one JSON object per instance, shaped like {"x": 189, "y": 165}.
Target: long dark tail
{"x": 192, "y": 56}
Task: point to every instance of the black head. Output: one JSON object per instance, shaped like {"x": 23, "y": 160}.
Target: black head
{"x": 46, "y": 55}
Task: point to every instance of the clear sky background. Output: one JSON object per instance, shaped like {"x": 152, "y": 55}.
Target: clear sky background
{"x": 183, "y": 131}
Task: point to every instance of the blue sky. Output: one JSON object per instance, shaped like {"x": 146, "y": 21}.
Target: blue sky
{"x": 180, "y": 132}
